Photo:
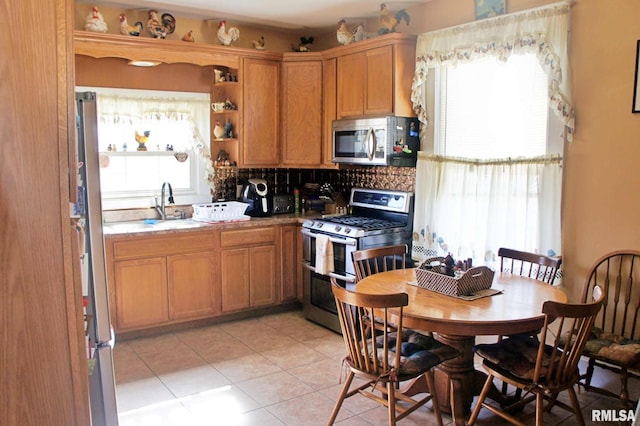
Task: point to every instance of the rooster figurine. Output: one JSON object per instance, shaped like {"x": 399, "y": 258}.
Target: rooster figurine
{"x": 305, "y": 44}
{"x": 189, "y": 37}
{"x": 389, "y": 21}
{"x": 258, "y": 44}
{"x": 346, "y": 36}
{"x": 160, "y": 27}
{"x": 142, "y": 140}
{"x": 126, "y": 29}
{"x": 95, "y": 22}
{"x": 227, "y": 37}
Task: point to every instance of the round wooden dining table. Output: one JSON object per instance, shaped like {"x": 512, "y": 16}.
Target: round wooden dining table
{"x": 457, "y": 322}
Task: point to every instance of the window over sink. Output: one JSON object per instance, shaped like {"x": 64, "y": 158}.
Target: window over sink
{"x": 163, "y": 123}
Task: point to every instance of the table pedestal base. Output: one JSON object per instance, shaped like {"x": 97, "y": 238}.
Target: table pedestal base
{"x": 456, "y": 380}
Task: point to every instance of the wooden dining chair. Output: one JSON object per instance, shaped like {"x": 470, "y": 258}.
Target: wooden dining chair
{"x": 532, "y": 265}
{"x": 614, "y": 343}
{"x": 382, "y": 359}
{"x": 380, "y": 259}
{"x": 543, "y": 367}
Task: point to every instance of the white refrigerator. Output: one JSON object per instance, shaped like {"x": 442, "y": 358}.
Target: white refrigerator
{"x": 88, "y": 210}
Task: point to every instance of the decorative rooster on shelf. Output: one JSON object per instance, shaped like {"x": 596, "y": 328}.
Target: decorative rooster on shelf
{"x": 189, "y": 37}
{"x": 126, "y": 29}
{"x": 258, "y": 44}
{"x": 346, "y": 36}
{"x": 95, "y": 22}
{"x": 389, "y": 20}
{"x": 304, "y": 45}
{"x": 142, "y": 139}
{"x": 160, "y": 27}
{"x": 227, "y": 37}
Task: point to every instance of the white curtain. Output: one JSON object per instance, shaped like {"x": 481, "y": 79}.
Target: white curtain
{"x": 470, "y": 208}
{"x": 128, "y": 110}
{"x": 543, "y": 31}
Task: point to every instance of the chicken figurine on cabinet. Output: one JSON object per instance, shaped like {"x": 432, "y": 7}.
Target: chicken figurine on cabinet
{"x": 258, "y": 44}
{"x": 225, "y": 36}
{"x": 389, "y": 20}
{"x": 160, "y": 27}
{"x": 126, "y": 29}
{"x": 94, "y": 22}
{"x": 346, "y": 36}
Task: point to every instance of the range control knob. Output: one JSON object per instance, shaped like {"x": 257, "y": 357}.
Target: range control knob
{"x": 347, "y": 230}
{"x": 338, "y": 228}
{"x": 319, "y": 225}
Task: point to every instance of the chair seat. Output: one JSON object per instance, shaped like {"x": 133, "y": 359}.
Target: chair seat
{"x": 515, "y": 356}
{"x": 419, "y": 352}
{"x": 614, "y": 348}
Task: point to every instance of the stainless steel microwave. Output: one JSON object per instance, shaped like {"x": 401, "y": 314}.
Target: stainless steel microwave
{"x": 382, "y": 141}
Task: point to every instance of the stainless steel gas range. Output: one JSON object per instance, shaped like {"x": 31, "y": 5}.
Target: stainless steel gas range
{"x": 378, "y": 218}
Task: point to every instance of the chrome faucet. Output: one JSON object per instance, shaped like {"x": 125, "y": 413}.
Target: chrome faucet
{"x": 160, "y": 207}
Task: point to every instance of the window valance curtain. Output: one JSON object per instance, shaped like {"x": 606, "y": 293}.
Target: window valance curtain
{"x": 543, "y": 31}
{"x": 128, "y": 110}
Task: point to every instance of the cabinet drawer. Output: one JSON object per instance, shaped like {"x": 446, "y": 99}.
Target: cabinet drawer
{"x": 245, "y": 237}
{"x": 163, "y": 245}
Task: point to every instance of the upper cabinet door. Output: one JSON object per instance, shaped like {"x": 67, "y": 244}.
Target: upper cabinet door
{"x": 261, "y": 101}
{"x": 379, "y": 81}
{"x": 365, "y": 83}
{"x": 301, "y": 113}
{"x": 374, "y": 76}
{"x": 352, "y": 72}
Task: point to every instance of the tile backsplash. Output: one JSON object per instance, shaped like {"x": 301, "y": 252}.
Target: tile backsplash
{"x": 284, "y": 181}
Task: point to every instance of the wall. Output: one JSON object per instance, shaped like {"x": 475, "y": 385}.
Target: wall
{"x": 601, "y": 200}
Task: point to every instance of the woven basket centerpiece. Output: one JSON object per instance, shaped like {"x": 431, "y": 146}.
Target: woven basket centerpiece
{"x": 431, "y": 276}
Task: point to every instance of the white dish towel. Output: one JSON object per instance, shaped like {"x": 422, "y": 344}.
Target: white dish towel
{"x": 324, "y": 254}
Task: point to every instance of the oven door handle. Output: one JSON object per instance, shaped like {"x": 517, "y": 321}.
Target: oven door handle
{"x": 347, "y": 242}
{"x": 331, "y": 274}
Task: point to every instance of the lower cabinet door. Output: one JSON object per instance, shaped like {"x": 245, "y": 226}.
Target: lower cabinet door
{"x": 141, "y": 293}
{"x": 234, "y": 268}
{"x": 263, "y": 275}
{"x": 191, "y": 285}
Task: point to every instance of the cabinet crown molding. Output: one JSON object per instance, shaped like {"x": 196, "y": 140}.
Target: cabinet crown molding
{"x": 98, "y": 45}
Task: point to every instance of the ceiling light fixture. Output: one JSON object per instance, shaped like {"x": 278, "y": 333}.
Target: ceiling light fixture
{"x": 144, "y": 63}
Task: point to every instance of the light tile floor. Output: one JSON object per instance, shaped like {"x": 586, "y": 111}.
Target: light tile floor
{"x": 278, "y": 369}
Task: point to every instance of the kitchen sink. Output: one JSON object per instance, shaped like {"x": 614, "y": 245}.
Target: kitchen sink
{"x": 149, "y": 226}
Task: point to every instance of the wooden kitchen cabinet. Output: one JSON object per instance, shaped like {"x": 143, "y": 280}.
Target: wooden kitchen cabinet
{"x": 288, "y": 263}
{"x": 351, "y": 76}
{"x": 141, "y": 293}
{"x": 301, "y": 110}
{"x": 234, "y": 277}
{"x": 249, "y": 270}
{"x": 329, "y": 90}
{"x": 374, "y": 76}
{"x": 260, "y": 113}
{"x": 162, "y": 279}
{"x": 191, "y": 285}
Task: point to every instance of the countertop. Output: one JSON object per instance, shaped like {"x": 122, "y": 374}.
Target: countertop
{"x": 138, "y": 227}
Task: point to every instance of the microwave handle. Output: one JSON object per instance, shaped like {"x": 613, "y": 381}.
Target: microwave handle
{"x": 371, "y": 143}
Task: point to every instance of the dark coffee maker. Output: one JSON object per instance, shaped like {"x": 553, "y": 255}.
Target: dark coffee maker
{"x": 257, "y": 195}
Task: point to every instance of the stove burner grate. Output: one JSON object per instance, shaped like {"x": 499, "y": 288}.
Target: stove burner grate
{"x": 367, "y": 223}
